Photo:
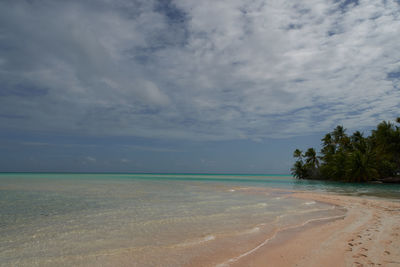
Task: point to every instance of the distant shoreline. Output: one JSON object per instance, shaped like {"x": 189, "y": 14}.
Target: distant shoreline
{"x": 167, "y": 173}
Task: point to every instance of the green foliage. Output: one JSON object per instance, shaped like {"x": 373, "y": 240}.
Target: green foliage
{"x": 352, "y": 158}
{"x": 307, "y": 168}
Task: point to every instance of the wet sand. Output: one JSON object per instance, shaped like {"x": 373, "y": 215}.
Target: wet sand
{"x": 368, "y": 235}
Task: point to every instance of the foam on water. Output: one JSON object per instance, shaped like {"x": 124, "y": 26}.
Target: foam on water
{"x": 196, "y": 241}
{"x": 251, "y": 231}
{"x": 309, "y": 203}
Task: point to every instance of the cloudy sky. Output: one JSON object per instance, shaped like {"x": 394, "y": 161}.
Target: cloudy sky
{"x": 187, "y": 85}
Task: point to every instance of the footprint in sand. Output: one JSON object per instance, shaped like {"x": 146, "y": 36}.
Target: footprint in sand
{"x": 359, "y": 255}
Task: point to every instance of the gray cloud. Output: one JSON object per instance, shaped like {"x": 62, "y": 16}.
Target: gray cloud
{"x": 198, "y": 70}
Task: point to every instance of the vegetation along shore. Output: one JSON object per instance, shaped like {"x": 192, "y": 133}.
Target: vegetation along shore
{"x": 353, "y": 158}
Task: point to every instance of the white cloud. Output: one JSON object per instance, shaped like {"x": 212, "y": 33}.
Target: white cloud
{"x": 198, "y": 69}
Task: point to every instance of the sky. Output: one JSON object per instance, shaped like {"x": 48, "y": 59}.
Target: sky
{"x": 216, "y": 86}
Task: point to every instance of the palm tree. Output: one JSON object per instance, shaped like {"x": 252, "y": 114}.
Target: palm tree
{"x": 386, "y": 148}
{"x": 298, "y": 154}
{"x": 341, "y": 140}
{"x": 338, "y": 133}
{"x": 328, "y": 148}
{"x": 357, "y": 136}
{"x": 312, "y": 159}
{"x": 312, "y": 164}
{"x": 361, "y": 167}
{"x": 358, "y": 141}
{"x": 383, "y": 133}
{"x": 327, "y": 140}
{"x": 298, "y": 170}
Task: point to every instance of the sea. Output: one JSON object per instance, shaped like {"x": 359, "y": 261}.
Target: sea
{"x": 106, "y": 219}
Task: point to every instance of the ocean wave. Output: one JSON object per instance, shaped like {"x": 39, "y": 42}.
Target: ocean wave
{"x": 197, "y": 241}
{"x": 251, "y": 231}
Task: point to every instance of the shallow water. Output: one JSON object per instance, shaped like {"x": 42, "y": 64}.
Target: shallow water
{"x": 146, "y": 219}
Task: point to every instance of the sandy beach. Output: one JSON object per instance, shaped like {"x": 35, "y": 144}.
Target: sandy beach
{"x": 368, "y": 235}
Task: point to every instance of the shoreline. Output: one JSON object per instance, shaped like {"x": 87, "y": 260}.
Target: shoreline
{"x": 367, "y": 235}
{"x": 320, "y": 229}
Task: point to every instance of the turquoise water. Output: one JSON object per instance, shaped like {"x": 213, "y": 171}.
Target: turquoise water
{"x": 49, "y": 219}
{"x": 271, "y": 181}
